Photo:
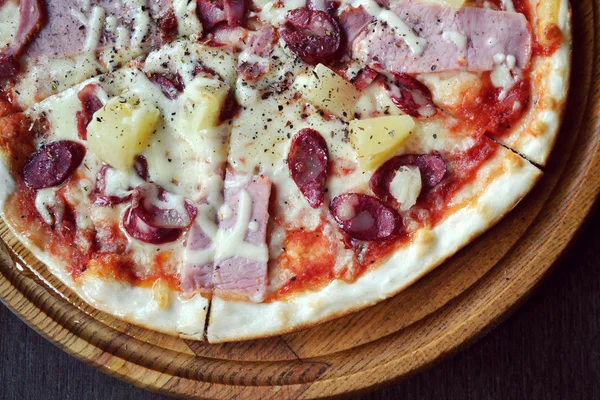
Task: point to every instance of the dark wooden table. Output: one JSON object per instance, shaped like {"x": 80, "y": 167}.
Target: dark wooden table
{"x": 549, "y": 349}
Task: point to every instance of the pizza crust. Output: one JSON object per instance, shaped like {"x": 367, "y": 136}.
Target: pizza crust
{"x": 536, "y": 132}
{"x": 162, "y": 310}
{"x": 508, "y": 176}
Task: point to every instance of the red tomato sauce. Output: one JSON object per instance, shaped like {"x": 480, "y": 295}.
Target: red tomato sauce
{"x": 489, "y": 114}
{"x": 310, "y": 256}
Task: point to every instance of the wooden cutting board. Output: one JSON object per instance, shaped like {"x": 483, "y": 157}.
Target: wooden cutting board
{"x": 443, "y": 312}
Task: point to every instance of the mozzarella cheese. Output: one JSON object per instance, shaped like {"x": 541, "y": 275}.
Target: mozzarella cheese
{"x": 406, "y": 186}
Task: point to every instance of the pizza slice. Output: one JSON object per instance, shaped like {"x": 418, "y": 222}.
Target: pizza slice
{"x": 48, "y": 46}
{"x": 105, "y": 180}
{"x": 358, "y": 198}
{"x": 502, "y": 66}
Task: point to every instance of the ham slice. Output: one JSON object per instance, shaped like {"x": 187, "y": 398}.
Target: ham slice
{"x": 64, "y": 33}
{"x": 464, "y": 39}
{"x": 198, "y": 267}
{"x": 254, "y": 60}
{"x": 241, "y": 261}
{"x": 230, "y": 257}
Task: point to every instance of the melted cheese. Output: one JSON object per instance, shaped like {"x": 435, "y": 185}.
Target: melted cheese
{"x": 459, "y": 40}
{"x": 45, "y": 199}
{"x": 406, "y": 186}
{"x": 188, "y": 23}
{"x": 93, "y": 26}
{"x": 505, "y": 74}
{"x": 9, "y": 15}
{"x": 227, "y": 243}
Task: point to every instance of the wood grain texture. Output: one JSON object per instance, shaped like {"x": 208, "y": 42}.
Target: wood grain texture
{"x": 443, "y": 312}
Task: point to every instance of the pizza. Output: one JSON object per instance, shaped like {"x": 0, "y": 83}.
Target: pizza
{"x": 228, "y": 170}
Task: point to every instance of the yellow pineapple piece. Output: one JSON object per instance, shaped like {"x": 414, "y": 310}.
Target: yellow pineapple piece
{"x": 329, "y": 91}
{"x": 120, "y": 130}
{"x": 202, "y": 101}
{"x": 376, "y": 139}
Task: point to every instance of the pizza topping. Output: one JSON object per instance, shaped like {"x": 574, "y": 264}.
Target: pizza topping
{"x": 411, "y": 96}
{"x": 53, "y": 164}
{"x": 364, "y": 217}
{"x": 170, "y": 86}
{"x": 329, "y": 91}
{"x": 254, "y": 60}
{"x": 365, "y": 77}
{"x": 201, "y": 104}
{"x": 120, "y": 130}
{"x": 505, "y": 74}
{"x": 136, "y": 227}
{"x": 308, "y": 161}
{"x": 443, "y": 31}
{"x": 406, "y": 186}
{"x": 30, "y": 22}
{"x": 228, "y": 35}
{"x": 214, "y": 12}
{"x": 376, "y": 139}
{"x": 241, "y": 254}
{"x": 162, "y": 209}
{"x": 352, "y": 22}
{"x": 432, "y": 169}
{"x": 314, "y": 36}
{"x": 90, "y": 98}
{"x": 50, "y": 206}
{"x": 140, "y": 165}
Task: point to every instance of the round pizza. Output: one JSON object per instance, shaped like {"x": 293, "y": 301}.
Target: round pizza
{"x": 225, "y": 169}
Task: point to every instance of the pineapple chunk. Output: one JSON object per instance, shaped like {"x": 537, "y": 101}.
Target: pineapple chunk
{"x": 327, "y": 90}
{"x": 202, "y": 101}
{"x": 376, "y": 139}
{"x": 120, "y": 130}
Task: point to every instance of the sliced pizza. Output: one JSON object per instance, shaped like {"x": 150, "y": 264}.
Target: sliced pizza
{"x": 104, "y": 180}
{"x": 285, "y": 163}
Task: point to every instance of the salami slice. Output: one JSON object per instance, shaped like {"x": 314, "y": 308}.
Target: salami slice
{"x": 170, "y": 86}
{"x": 308, "y": 161}
{"x": 90, "y": 103}
{"x": 431, "y": 166}
{"x": 53, "y": 164}
{"x": 312, "y": 35}
{"x": 136, "y": 227}
{"x": 365, "y": 217}
{"x": 411, "y": 96}
{"x": 162, "y": 209}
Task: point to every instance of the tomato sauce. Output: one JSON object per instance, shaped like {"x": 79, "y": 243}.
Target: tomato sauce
{"x": 310, "y": 256}
{"x": 488, "y": 114}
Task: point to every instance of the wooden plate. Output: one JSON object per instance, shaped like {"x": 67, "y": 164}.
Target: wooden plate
{"x": 443, "y": 312}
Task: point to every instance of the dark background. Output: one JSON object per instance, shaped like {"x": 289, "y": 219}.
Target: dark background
{"x": 549, "y": 349}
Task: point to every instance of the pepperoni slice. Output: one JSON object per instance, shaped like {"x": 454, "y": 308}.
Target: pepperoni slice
{"x": 162, "y": 209}
{"x": 90, "y": 102}
{"x": 365, "y": 217}
{"x": 138, "y": 229}
{"x": 53, "y": 164}
{"x": 117, "y": 195}
{"x": 9, "y": 66}
{"x": 307, "y": 161}
{"x": 411, "y": 96}
{"x": 167, "y": 24}
{"x": 170, "y": 86}
{"x": 312, "y": 35}
{"x": 431, "y": 166}
{"x": 140, "y": 165}
{"x": 364, "y": 78}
